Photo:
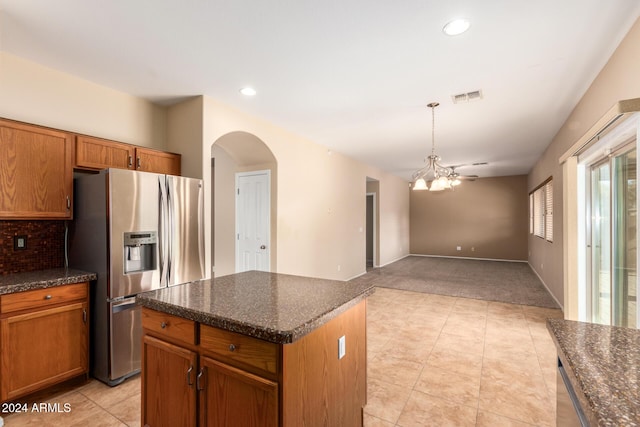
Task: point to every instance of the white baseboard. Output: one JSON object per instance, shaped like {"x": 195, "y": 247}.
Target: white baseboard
{"x": 465, "y": 257}
{"x": 391, "y": 262}
{"x": 546, "y": 287}
{"x": 377, "y": 266}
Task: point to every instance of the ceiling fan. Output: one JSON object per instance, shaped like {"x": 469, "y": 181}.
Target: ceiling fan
{"x": 455, "y": 175}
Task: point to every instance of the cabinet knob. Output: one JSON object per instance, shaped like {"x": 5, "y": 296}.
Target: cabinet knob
{"x": 163, "y": 325}
{"x": 47, "y": 297}
{"x": 232, "y": 347}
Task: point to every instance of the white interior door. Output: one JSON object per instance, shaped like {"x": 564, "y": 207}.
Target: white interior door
{"x": 253, "y": 207}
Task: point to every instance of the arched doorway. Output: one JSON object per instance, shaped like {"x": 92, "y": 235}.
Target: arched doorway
{"x": 236, "y": 159}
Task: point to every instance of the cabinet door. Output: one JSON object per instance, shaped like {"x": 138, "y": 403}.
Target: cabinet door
{"x": 42, "y": 348}
{"x": 157, "y": 161}
{"x": 95, "y": 153}
{"x": 168, "y": 384}
{"x": 233, "y": 397}
{"x": 36, "y": 172}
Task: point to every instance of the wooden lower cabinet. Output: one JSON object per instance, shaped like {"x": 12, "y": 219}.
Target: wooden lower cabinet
{"x": 232, "y": 397}
{"x": 46, "y": 345}
{"x": 168, "y": 389}
{"x": 243, "y": 381}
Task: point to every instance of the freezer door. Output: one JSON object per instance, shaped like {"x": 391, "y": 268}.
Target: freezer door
{"x": 134, "y": 206}
{"x": 126, "y": 336}
{"x": 186, "y": 221}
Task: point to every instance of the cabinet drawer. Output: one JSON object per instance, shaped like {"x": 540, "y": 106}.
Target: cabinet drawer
{"x": 166, "y": 325}
{"x": 240, "y": 350}
{"x": 41, "y": 298}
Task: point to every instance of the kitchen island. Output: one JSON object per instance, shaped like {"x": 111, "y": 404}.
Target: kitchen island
{"x": 602, "y": 365}
{"x": 255, "y": 349}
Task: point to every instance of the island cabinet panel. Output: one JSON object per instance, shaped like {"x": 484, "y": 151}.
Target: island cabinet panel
{"x": 96, "y": 153}
{"x": 319, "y": 389}
{"x": 168, "y": 384}
{"x": 243, "y": 381}
{"x": 170, "y": 327}
{"x": 233, "y": 397}
{"x": 44, "y": 344}
{"x": 254, "y": 355}
{"x": 36, "y": 172}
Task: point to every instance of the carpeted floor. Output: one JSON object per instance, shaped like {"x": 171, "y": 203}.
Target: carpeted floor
{"x": 510, "y": 282}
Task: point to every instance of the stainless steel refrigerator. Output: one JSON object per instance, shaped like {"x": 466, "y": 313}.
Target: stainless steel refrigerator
{"x": 138, "y": 231}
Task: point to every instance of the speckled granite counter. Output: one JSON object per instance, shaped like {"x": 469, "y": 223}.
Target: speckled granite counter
{"x": 274, "y": 307}
{"x": 20, "y": 282}
{"x": 603, "y": 364}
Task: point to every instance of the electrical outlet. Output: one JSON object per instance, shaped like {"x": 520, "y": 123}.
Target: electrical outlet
{"x": 342, "y": 347}
{"x": 19, "y": 243}
{"x": 458, "y": 248}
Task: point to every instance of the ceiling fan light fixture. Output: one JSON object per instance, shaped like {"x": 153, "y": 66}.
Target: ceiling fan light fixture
{"x": 456, "y": 27}
{"x": 420, "y": 184}
{"x": 436, "y": 186}
{"x": 440, "y": 176}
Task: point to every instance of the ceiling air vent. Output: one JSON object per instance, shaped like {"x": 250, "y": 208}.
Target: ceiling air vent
{"x": 466, "y": 97}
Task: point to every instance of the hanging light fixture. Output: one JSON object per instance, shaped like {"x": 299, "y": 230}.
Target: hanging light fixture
{"x": 440, "y": 177}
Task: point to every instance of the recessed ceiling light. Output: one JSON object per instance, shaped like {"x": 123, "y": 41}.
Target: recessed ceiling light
{"x": 248, "y": 91}
{"x": 456, "y": 27}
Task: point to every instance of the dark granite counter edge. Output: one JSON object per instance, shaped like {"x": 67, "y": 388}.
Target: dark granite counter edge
{"x": 588, "y": 406}
{"x": 255, "y": 331}
{"x": 568, "y": 365}
{"x": 47, "y": 283}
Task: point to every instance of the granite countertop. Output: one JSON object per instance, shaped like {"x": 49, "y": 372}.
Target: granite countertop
{"x": 39, "y": 279}
{"x": 603, "y": 365}
{"x": 274, "y": 307}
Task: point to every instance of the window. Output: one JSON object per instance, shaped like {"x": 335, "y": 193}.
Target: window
{"x": 541, "y": 211}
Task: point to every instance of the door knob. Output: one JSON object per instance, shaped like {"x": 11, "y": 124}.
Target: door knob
{"x": 263, "y": 247}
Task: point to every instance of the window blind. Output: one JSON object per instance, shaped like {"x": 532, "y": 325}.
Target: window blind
{"x": 541, "y": 211}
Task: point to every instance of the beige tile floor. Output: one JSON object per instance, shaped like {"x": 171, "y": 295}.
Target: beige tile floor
{"x": 432, "y": 361}
{"x": 444, "y": 361}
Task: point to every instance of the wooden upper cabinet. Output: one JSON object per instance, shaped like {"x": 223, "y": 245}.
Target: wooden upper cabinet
{"x": 148, "y": 160}
{"x": 36, "y": 172}
{"x": 96, "y": 153}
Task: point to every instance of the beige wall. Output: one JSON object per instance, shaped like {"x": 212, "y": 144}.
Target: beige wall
{"x": 184, "y": 134}
{"x": 321, "y": 200}
{"x": 35, "y": 94}
{"x": 487, "y": 218}
{"x": 618, "y": 80}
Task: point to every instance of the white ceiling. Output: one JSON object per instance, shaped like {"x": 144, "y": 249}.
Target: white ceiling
{"x": 353, "y": 75}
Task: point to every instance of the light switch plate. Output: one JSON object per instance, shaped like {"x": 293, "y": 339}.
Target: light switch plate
{"x": 342, "y": 347}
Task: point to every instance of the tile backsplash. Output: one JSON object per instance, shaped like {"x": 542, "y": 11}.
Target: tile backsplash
{"x": 44, "y": 246}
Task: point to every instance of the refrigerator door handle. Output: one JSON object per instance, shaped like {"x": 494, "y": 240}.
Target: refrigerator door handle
{"x": 162, "y": 232}
{"x": 170, "y": 232}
